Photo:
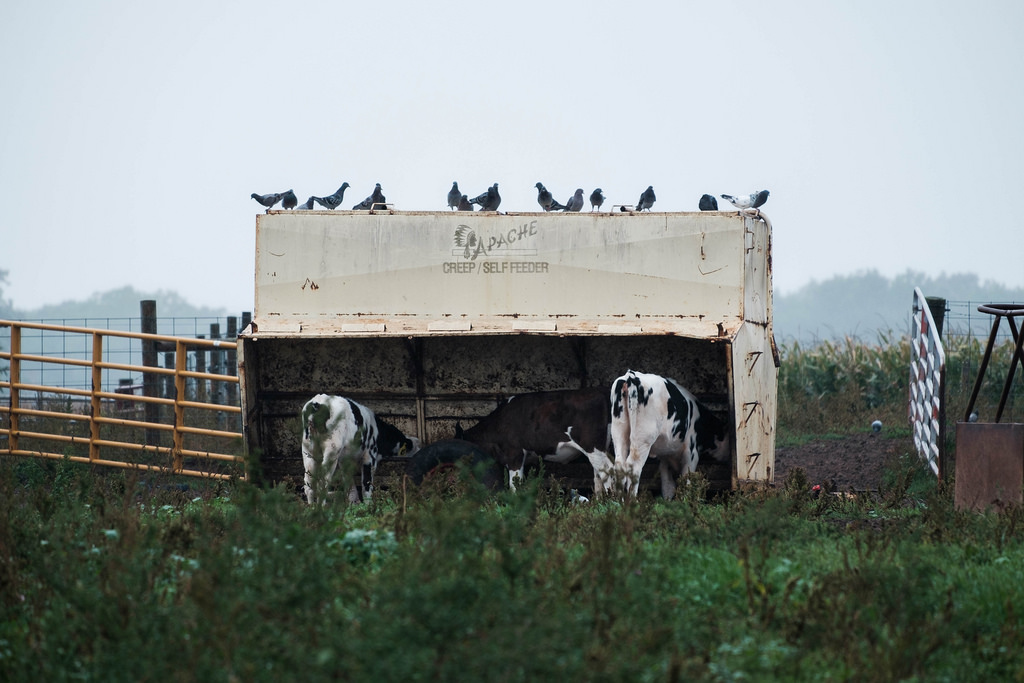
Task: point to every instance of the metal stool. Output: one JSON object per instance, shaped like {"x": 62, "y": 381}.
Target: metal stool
{"x": 1000, "y": 311}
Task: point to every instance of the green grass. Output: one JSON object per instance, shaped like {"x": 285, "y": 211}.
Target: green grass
{"x": 114, "y": 575}
{"x": 106, "y": 576}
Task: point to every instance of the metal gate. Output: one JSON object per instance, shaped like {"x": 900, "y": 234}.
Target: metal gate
{"x": 927, "y": 408}
{"x": 179, "y": 432}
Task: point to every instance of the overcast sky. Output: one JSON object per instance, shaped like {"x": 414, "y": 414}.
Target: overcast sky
{"x": 132, "y": 133}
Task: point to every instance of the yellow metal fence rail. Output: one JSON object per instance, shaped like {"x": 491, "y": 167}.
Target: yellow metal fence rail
{"x": 111, "y": 439}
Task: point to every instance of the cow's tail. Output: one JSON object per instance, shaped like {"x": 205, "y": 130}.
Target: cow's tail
{"x": 631, "y": 399}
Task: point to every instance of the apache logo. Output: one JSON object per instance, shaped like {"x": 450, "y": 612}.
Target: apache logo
{"x": 473, "y": 244}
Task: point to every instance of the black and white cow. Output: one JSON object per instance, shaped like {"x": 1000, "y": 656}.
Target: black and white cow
{"x": 654, "y": 415}
{"x": 335, "y": 428}
{"x": 536, "y": 424}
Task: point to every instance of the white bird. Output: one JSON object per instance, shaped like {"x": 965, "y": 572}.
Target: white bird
{"x": 752, "y": 201}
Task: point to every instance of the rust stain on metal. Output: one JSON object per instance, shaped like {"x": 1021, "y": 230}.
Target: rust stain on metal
{"x": 312, "y": 285}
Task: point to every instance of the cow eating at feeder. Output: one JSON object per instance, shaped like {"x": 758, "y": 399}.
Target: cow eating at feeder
{"x": 532, "y": 425}
{"x": 336, "y": 429}
{"x": 655, "y": 415}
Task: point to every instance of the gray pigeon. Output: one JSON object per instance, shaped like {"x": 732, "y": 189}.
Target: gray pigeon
{"x": 375, "y": 198}
{"x": 464, "y": 204}
{"x": 708, "y": 203}
{"x": 752, "y": 201}
{"x": 332, "y": 201}
{"x": 308, "y": 206}
{"x": 596, "y": 199}
{"x": 647, "y": 199}
{"x": 575, "y": 203}
{"x": 267, "y": 200}
{"x": 489, "y": 200}
{"x": 546, "y": 201}
{"x": 454, "y": 196}
{"x": 289, "y": 200}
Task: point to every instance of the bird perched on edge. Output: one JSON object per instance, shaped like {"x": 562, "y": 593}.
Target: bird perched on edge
{"x": 647, "y": 199}
{"x": 289, "y": 200}
{"x": 267, "y": 200}
{"x": 708, "y": 203}
{"x": 546, "y": 201}
{"x": 596, "y": 199}
{"x": 375, "y": 198}
{"x": 489, "y": 200}
{"x": 454, "y": 196}
{"x": 308, "y": 206}
{"x": 752, "y": 201}
{"x": 332, "y": 201}
{"x": 575, "y": 203}
{"x": 464, "y": 204}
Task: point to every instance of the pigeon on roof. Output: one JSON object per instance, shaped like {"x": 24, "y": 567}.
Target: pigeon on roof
{"x": 464, "y": 204}
{"x": 708, "y": 203}
{"x": 375, "y": 198}
{"x": 489, "y": 200}
{"x": 752, "y": 201}
{"x": 267, "y": 200}
{"x": 308, "y": 206}
{"x": 289, "y": 200}
{"x": 332, "y": 201}
{"x": 647, "y": 199}
{"x": 546, "y": 201}
{"x": 575, "y": 203}
{"x": 596, "y": 199}
{"x": 454, "y": 196}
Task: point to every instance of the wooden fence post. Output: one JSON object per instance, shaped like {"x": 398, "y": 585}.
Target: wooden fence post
{"x": 150, "y": 380}
{"x": 216, "y": 390}
{"x": 231, "y": 389}
{"x": 200, "y": 367}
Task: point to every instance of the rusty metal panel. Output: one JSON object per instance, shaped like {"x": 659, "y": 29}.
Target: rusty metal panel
{"x": 754, "y": 402}
{"x": 989, "y": 465}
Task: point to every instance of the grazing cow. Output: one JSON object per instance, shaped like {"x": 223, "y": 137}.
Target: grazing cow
{"x": 335, "y": 428}
{"x": 654, "y": 415}
{"x": 536, "y": 424}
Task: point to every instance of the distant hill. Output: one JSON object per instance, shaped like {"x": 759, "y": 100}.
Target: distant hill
{"x": 866, "y": 303}
{"x": 121, "y": 303}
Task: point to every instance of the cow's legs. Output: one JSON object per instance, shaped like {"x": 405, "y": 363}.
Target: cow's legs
{"x": 309, "y": 478}
{"x": 518, "y": 473}
{"x": 633, "y": 465}
{"x": 668, "y": 480}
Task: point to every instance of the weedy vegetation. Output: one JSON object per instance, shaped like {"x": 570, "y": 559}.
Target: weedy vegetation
{"x": 114, "y": 575}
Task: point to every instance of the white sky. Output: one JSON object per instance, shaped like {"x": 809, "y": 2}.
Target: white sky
{"x": 132, "y": 133}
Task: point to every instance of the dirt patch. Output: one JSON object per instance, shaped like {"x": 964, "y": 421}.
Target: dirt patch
{"x": 855, "y": 462}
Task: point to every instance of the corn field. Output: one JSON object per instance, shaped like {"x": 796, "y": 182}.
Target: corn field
{"x": 839, "y": 386}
